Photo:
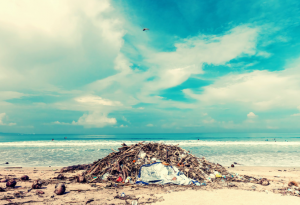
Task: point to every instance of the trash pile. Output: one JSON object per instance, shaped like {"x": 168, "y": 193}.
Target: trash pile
{"x": 158, "y": 163}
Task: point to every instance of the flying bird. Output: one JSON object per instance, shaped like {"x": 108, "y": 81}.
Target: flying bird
{"x": 146, "y": 29}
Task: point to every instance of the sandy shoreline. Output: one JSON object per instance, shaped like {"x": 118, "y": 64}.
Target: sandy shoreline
{"x": 97, "y": 193}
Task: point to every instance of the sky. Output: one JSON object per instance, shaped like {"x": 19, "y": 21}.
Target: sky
{"x": 87, "y": 67}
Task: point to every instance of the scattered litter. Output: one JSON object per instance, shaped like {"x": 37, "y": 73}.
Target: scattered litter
{"x": 11, "y": 183}
{"x": 60, "y": 189}
{"x": 293, "y": 183}
{"x": 128, "y": 179}
{"x": 119, "y": 179}
{"x": 37, "y": 184}
{"x": 25, "y": 178}
{"x": 81, "y": 179}
{"x": 218, "y": 175}
{"x": 264, "y": 182}
{"x": 40, "y": 192}
{"x": 104, "y": 176}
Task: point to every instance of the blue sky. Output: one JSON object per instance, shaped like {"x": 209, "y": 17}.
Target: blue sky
{"x": 87, "y": 67}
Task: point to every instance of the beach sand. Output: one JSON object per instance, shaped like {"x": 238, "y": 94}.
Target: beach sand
{"x": 98, "y": 193}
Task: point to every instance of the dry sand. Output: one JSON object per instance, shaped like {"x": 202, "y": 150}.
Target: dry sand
{"x": 243, "y": 193}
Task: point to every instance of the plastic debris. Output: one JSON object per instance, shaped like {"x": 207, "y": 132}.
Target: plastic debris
{"x": 119, "y": 179}
{"x": 142, "y": 154}
{"x": 104, "y": 176}
{"x": 158, "y": 173}
{"x": 128, "y": 179}
{"x": 218, "y": 175}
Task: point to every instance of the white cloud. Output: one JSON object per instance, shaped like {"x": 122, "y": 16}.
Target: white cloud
{"x": 123, "y": 126}
{"x": 96, "y": 100}
{"x": 58, "y": 123}
{"x": 173, "y": 68}
{"x": 210, "y": 49}
{"x": 169, "y": 69}
{"x": 149, "y": 125}
{"x": 251, "y": 115}
{"x": 258, "y": 90}
{"x": 2, "y": 117}
{"x": 95, "y": 119}
{"x": 59, "y": 45}
{"x": 97, "y": 107}
{"x": 54, "y": 41}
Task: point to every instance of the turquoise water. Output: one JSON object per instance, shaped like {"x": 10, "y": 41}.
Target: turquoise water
{"x": 249, "y": 149}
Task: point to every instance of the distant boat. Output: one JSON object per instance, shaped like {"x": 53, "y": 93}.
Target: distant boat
{"x": 65, "y": 138}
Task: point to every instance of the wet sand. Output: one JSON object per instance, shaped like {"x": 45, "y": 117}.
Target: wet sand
{"x": 99, "y": 193}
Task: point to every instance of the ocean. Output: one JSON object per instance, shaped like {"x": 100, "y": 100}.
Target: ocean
{"x": 248, "y": 149}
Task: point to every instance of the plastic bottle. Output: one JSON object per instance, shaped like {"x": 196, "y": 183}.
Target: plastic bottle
{"x": 127, "y": 180}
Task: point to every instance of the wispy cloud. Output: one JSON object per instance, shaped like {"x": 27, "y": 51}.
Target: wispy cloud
{"x": 260, "y": 90}
{"x": 2, "y": 118}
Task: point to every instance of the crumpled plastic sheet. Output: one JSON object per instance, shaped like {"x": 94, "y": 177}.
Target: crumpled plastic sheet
{"x": 157, "y": 173}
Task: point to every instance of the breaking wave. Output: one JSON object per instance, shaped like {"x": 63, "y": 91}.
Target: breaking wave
{"x": 71, "y": 143}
